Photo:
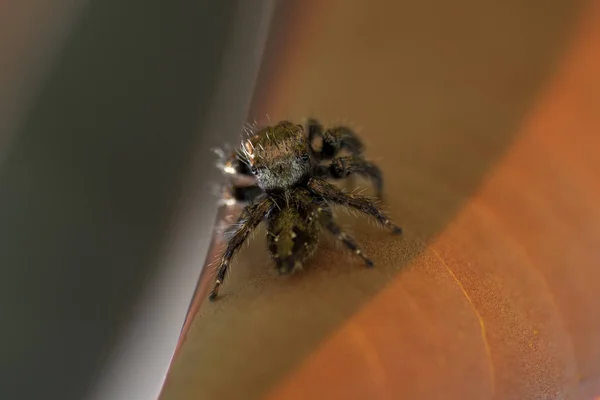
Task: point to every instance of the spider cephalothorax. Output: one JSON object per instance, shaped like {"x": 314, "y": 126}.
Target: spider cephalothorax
{"x": 284, "y": 180}
{"x": 279, "y": 156}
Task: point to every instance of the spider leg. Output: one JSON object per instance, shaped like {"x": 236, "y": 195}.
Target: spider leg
{"x": 315, "y": 129}
{"x": 242, "y": 184}
{"x": 334, "y": 140}
{"x": 326, "y": 219}
{"x": 250, "y": 218}
{"x": 230, "y": 164}
{"x": 245, "y": 194}
{"x": 342, "y": 167}
{"x": 363, "y": 204}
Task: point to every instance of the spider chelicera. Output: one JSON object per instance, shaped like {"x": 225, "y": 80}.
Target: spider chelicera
{"x": 285, "y": 184}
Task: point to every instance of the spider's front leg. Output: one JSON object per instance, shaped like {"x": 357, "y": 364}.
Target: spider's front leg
{"x": 242, "y": 184}
{"x": 334, "y": 140}
{"x": 251, "y": 217}
{"x": 343, "y": 167}
{"x": 329, "y": 192}
{"x": 338, "y": 139}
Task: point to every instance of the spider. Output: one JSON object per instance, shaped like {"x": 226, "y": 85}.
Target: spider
{"x": 283, "y": 178}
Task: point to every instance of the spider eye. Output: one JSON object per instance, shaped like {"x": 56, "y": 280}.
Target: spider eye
{"x": 305, "y": 157}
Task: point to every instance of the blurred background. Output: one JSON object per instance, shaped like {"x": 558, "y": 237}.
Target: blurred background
{"x": 483, "y": 116}
{"x": 108, "y": 111}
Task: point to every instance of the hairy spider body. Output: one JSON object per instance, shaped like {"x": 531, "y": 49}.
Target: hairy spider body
{"x": 283, "y": 178}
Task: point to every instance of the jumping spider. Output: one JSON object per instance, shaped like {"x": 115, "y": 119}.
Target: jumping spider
{"x": 282, "y": 177}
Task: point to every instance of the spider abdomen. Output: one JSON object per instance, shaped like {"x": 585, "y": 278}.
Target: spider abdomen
{"x": 293, "y": 235}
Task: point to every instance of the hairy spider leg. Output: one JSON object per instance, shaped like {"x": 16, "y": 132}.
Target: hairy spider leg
{"x": 242, "y": 186}
{"x": 334, "y": 141}
{"x": 250, "y": 218}
{"x": 343, "y": 167}
{"x": 326, "y": 219}
{"x": 331, "y": 193}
